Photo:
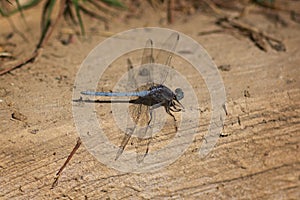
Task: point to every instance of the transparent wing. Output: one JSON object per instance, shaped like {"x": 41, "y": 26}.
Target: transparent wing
{"x": 138, "y": 112}
{"x": 144, "y": 139}
{"x": 141, "y": 113}
{"x": 140, "y": 116}
{"x": 144, "y": 75}
{"x": 147, "y": 56}
{"x": 165, "y": 55}
{"x": 131, "y": 84}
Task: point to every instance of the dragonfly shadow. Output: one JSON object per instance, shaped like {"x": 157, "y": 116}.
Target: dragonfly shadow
{"x": 80, "y": 100}
{"x": 139, "y": 100}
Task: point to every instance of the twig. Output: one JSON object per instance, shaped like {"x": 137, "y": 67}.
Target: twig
{"x": 241, "y": 25}
{"x": 21, "y": 63}
{"x": 66, "y": 162}
{"x": 214, "y": 8}
{"x": 210, "y": 32}
{"x": 257, "y": 36}
{"x": 170, "y": 11}
{"x": 272, "y": 6}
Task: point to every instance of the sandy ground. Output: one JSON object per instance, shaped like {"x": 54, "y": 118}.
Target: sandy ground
{"x": 257, "y": 157}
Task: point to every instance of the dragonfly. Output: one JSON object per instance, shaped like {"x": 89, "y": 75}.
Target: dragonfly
{"x": 151, "y": 95}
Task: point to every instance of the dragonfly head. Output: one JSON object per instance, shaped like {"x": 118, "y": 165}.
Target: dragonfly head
{"x": 179, "y": 94}
{"x": 176, "y": 105}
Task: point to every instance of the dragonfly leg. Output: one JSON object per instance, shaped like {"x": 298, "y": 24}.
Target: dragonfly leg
{"x": 174, "y": 108}
{"x": 174, "y": 119}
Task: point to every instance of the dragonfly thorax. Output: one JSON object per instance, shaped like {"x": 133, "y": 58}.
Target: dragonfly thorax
{"x": 162, "y": 93}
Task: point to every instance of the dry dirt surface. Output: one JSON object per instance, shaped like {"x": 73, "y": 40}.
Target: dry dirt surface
{"x": 256, "y": 157}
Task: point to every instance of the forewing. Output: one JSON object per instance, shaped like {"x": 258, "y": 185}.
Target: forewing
{"x": 132, "y": 82}
{"x": 165, "y": 55}
{"x": 145, "y": 71}
{"x": 147, "y": 56}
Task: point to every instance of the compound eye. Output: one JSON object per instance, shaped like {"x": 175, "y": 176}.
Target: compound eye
{"x": 179, "y": 93}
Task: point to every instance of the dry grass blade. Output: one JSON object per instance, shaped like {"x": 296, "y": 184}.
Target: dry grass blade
{"x": 46, "y": 33}
{"x": 20, "y": 8}
{"x": 103, "y": 7}
{"x": 93, "y": 14}
{"x": 68, "y": 12}
{"x": 170, "y": 11}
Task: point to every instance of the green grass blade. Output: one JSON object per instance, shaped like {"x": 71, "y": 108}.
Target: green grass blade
{"x": 68, "y": 13}
{"x": 47, "y": 12}
{"x": 115, "y": 3}
{"x": 77, "y": 10}
{"x": 20, "y": 9}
